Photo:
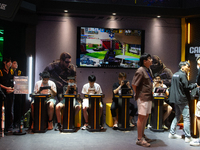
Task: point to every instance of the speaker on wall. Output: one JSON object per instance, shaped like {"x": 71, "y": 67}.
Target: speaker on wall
{"x": 9, "y": 8}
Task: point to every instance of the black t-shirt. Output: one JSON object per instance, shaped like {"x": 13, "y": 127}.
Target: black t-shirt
{"x": 116, "y": 85}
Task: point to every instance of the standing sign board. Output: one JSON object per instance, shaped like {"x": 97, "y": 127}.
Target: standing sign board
{"x": 21, "y": 85}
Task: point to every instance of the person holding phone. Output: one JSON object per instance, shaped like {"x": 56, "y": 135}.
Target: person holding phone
{"x": 45, "y": 86}
{"x": 71, "y": 88}
{"x": 90, "y": 88}
{"x": 158, "y": 83}
{"x": 122, "y": 87}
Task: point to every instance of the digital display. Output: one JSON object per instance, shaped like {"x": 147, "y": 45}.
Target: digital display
{"x": 109, "y": 47}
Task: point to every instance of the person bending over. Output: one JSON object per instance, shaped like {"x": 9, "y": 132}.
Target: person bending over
{"x": 69, "y": 89}
{"x": 117, "y": 88}
{"x": 90, "y": 88}
{"x": 45, "y": 82}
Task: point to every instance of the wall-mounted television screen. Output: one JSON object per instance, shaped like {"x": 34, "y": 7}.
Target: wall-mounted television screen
{"x": 109, "y": 47}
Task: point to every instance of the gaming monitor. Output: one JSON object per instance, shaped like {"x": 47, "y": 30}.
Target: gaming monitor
{"x": 109, "y": 47}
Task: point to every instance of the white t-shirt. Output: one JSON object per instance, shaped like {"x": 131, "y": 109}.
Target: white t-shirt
{"x": 96, "y": 89}
{"x": 39, "y": 84}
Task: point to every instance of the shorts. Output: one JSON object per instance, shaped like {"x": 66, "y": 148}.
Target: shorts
{"x": 49, "y": 100}
{"x": 76, "y": 102}
{"x": 144, "y": 107}
{"x": 197, "y": 113}
{"x": 86, "y": 103}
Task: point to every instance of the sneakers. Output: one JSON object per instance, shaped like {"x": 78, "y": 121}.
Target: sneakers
{"x": 165, "y": 127}
{"x": 131, "y": 125}
{"x": 188, "y": 139}
{"x": 142, "y": 142}
{"x": 58, "y": 127}
{"x": 84, "y": 127}
{"x": 147, "y": 139}
{"x": 195, "y": 142}
{"x": 115, "y": 126}
{"x": 174, "y": 136}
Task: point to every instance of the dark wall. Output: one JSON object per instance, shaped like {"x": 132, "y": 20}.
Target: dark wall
{"x": 55, "y": 35}
{"x": 14, "y": 42}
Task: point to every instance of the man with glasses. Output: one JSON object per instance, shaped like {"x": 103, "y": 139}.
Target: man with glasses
{"x": 142, "y": 84}
{"x": 179, "y": 94}
{"x": 59, "y": 71}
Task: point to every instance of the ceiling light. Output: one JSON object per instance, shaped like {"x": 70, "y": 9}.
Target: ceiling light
{"x": 158, "y": 16}
{"x": 113, "y": 14}
{"x": 65, "y": 10}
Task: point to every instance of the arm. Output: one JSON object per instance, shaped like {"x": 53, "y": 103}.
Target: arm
{"x": 130, "y": 91}
{"x": 134, "y": 89}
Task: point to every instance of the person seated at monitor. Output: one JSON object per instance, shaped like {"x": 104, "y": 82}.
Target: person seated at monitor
{"x": 158, "y": 83}
{"x": 117, "y": 88}
{"x": 50, "y": 89}
{"x": 71, "y": 88}
{"x": 90, "y": 88}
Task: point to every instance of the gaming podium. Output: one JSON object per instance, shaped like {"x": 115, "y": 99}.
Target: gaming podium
{"x": 69, "y": 112}
{"x": 123, "y": 111}
{"x": 94, "y": 112}
{"x": 40, "y": 112}
{"x": 157, "y": 114}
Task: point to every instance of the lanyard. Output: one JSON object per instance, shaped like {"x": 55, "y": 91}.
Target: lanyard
{"x": 149, "y": 76}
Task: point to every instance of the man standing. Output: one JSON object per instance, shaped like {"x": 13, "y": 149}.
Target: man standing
{"x": 196, "y": 142}
{"x": 59, "y": 71}
{"x": 18, "y": 99}
{"x": 142, "y": 84}
{"x": 6, "y": 79}
{"x": 179, "y": 95}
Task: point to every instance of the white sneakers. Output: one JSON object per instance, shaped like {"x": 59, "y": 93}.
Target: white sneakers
{"x": 188, "y": 140}
{"x": 174, "y": 136}
{"x": 195, "y": 142}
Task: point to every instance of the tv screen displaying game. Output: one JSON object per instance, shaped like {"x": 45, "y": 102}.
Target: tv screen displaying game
{"x": 109, "y": 47}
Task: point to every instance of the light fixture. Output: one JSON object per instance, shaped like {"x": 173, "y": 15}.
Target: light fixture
{"x": 65, "y": 11}
{"x": 158, "y": 16}
{"x": 30, "y": 74}
{"x": 114, "y": 14}
{"x": 188, "y": 33}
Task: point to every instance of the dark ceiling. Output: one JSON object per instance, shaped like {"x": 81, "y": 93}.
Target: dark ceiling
{"x": 30, "y": 9}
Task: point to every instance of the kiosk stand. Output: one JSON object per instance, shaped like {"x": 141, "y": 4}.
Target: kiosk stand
{"x": 157, "y": 114}
{"x": 123, "y": 111}
{"x": 69, "y": 113}
{"x": 40, "y": 112}
{"x": 94, "y": 114}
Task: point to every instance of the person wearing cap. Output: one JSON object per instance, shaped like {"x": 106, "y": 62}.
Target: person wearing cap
{"x": 71, "y": 88}
{"x": 45, "y": 82}
{"x": 179, "y": 96}
{"x": 59, "y": 71}
{"x": 196, "y": 142}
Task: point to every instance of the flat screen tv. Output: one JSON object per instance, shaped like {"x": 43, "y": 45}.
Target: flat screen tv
{"x": 109, "y": 47}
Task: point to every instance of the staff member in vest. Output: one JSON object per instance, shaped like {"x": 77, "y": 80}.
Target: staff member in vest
{"x": 142, "y": 84}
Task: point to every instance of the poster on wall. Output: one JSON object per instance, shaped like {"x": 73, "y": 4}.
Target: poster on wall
{"x": 21, "y": 85}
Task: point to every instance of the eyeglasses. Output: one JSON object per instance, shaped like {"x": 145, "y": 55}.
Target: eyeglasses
{"x": 67, "y": 62}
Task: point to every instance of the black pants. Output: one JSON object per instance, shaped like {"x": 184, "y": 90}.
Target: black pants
{"x": 9, "y": 116}
{"x": 114, "y": 106}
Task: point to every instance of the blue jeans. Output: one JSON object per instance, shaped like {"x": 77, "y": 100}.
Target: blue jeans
{"x": 184, "y": 110}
